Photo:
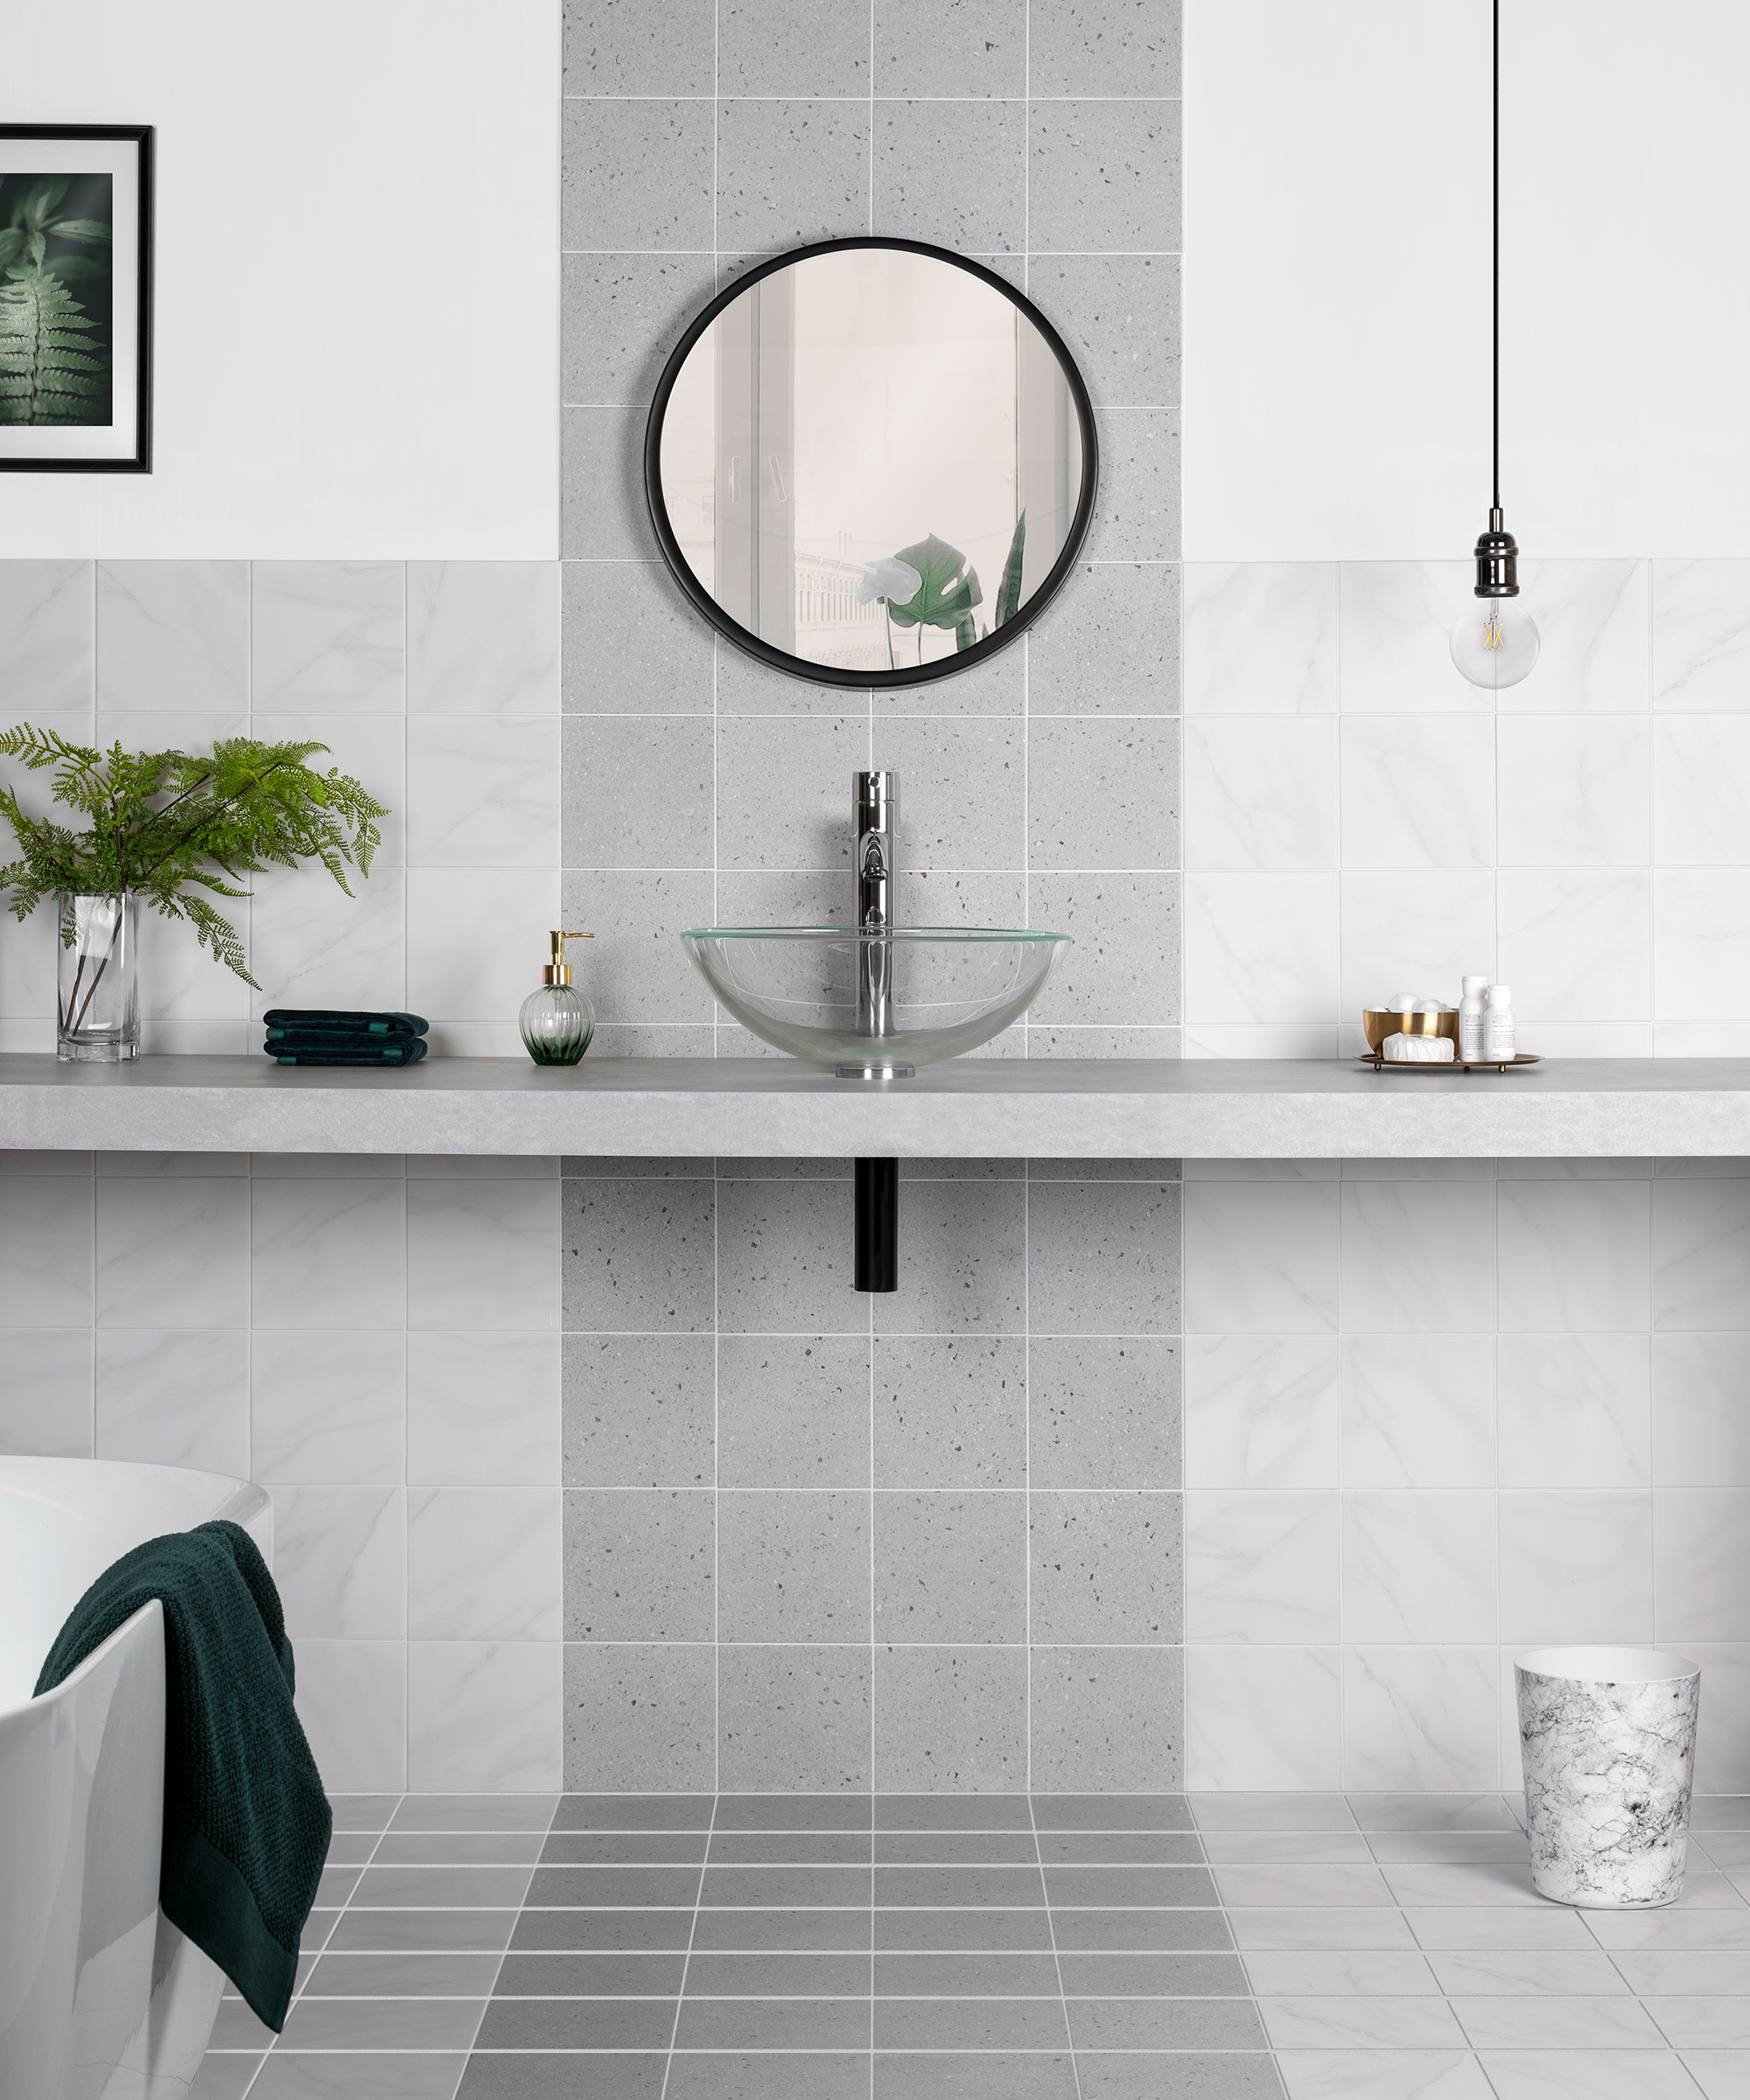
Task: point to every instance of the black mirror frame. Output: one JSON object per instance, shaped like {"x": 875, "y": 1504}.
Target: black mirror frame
{"x": 823, "y": 673}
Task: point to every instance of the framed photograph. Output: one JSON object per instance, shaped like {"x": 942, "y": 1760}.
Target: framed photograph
{"x": 75, "y": 299}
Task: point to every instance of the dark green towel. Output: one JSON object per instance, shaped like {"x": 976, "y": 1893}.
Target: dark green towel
{"x": 352, "y": 1024}
{"x": 407, "y": 1051}
{"x": 342, "y": 1038}
{"x": 246, "y": 1822}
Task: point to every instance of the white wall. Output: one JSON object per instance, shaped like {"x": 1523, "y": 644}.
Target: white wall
{"x": 357, "y": 343}
{"x": 1336, "y": 298}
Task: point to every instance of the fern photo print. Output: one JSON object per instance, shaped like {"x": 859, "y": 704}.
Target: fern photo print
{"x": 76, "y": 306}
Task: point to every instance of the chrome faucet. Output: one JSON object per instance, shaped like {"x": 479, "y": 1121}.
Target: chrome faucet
{"x": 875, "y": 817}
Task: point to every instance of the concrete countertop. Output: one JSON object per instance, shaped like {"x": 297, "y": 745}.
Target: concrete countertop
{"x": 1000, "y": 1108}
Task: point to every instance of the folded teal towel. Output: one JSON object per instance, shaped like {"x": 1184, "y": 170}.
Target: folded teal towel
{"x": 351, "y": 1024}
{"x": 246, "y": 1822}
{"x": 407, "y": 1051}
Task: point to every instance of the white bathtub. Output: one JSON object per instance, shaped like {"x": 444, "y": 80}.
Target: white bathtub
{"x": 100, "y": 1998}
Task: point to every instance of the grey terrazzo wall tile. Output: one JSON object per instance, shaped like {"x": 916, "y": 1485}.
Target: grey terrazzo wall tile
{"x": 867, "y": 1464}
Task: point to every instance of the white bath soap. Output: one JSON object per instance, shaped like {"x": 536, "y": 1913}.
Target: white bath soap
{"x": 1432, "y": 1006}
{"x": 1417, "y": 1049}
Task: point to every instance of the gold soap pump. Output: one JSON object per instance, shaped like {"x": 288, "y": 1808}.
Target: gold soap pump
{"x": 558, "y": 1021}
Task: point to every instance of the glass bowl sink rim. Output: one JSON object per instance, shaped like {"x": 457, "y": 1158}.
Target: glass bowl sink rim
{"x": 848, "y": 933}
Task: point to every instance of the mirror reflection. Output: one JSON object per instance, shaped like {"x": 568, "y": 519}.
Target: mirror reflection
{"x": 872, "y": 460}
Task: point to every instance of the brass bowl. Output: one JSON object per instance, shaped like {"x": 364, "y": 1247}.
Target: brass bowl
{"x": 1379, "y": 1025}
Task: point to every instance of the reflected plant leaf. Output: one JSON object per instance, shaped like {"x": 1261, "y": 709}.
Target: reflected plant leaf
{"x": 949, "y": 590}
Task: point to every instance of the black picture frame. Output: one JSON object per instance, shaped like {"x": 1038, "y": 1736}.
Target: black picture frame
{"x": 824, "y": 674}
{"x": 139, "y": 460}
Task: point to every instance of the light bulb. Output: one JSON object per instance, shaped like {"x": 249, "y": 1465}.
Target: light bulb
{"x": 1495, "y": 642}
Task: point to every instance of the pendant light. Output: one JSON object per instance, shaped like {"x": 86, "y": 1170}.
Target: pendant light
{"x": 1495, "y": 642}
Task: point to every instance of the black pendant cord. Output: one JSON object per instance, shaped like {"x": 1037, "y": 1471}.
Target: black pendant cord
{"x": 1496, "y": 212}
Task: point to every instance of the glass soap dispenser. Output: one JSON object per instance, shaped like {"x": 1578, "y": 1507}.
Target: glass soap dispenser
{"x": 558, "y": 1021}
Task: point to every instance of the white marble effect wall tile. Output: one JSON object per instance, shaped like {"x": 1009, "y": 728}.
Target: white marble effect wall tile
{"x": 1701, "y": 1410}
{"x": 1419, "y": 1566}
{"x": 1396, "y": 624}
{"x": 1723, "y": 1748}
{"x": 1419, "y": 1719}
{"x": 1701, "y": 1255}
{"x": 169, "y": 1398}
{"x": 1260, "y": 637}
{"x": 1260, "y": 794}
{"x": 46, "y": 637}
{"x": 1261, "y": 1567}
{"x": 1415, "y": 931}
{"x": 1572, "y": 791}
{"x": 312, "y": 945}
{"x": 1575, "y": 944}
{"x": 1260, "y": 1411}
{"x": 1701, "y": 636}
{"x": 328, "y": 635}
{"x": 1574, "y": 1256}
{"x": 1592, "y": 618}
{"x": 173, "y": 1253}
{"x": 47, "y": 1237}
{"x": 484, "y": 1717}
{"x": 45, "y": 1401}
{"x": 339, "y": 1560}
{"x": 1575, "y": 1409}
{"x": 483, "y": 1409}
{"x": 483, "y": 791}
{"x": 372, "y": 748}
{"x": 352, "y": 1699}
{"x": 179, "y": 982}
{"x": 1418, "y": 792}
{"x": 1417, "y": 1410}
{"x": 337, "y": 1245}
{"x": 1418, "y": 1260}
{"x": 1701, "y": 1563}
{"x": 482, "y": 1564}
{"x": 1261, "y": 950}
{"x": 172, "y": 635}
{"x": 328, "y": 1406}
{"x": 1701, "y": 958}
{"x": 476, "y": 941}
{"x": 1262, "y": 1718}
{"x": 1261, "y": 1259}
{"x": 483, "y": 638}
{"x": 1576, "y": 1565}
{"x": 1701, "y": 790}
{"x": 483, "y": 1253}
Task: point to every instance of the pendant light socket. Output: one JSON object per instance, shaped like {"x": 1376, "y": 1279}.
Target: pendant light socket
{"x": 1497, "y": 560}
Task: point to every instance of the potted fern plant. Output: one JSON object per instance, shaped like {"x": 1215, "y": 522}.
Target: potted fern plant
{"x": 162, "y": 828}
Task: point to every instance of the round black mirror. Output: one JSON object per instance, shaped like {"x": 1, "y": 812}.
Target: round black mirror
{"x": 871, "y": 463}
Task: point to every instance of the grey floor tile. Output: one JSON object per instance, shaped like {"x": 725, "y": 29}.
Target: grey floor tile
{"x": 1166, "y": 2023}
{"x": 561, "y": 2076}
{"x": 475, "y": 1812}
{"x": 335, "y": 1884}
{"x": 365, "y": 2076}
{"x": 363, "y": 1811}
{"x": 1176, "y": 1931}
{"x": 382, "y": 2023}
{"x": 972, "y": 1931}
{"x": 966, "y": 1976}
{"x": 590, "y": 1976}
{"x": 633, "y": 1812}
{"x": 782, "y": 1931}
{"x": 1153, "y": 1976}
{"x": 952, "y": 1812}
{"x": 772, "y": 2023}
{"x": 1014, "y": 2074}
{"x": 957, "y": 1848}
{"x": 1187, "y": 2076}
{"x": 602, "y": 1931}
{"x": 401, "y": 1975}
{"x": 236, "y": 2028}
{"x": 1110, "y": 1887}
{"x": 789, "y": 1848}
{"x": 1120, "y": 1848}
{"x": 353, "y": 1848}
{"x": 224, "y": 2077}
{"x": 577, "y": 2023}
{"x": 969, "y": 2023}
{"x": 842, "y": 2076}
{"x": 625, "y": 1848}
{"x": 959, "y": 1888}
{"x": 783, "y": 1887}
{"x": 456, "y": 1848}
{"x": 1112, "y": 1812}
{"x": 792, "y": 1812}
{"x": 613, "y": 1888}
{"x": 440, "y": 1888}
{"x": 420, "y": 1931}
{"x": 777, "y": 1975}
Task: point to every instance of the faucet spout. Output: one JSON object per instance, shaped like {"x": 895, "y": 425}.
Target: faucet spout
{"x": 876, "y": 814}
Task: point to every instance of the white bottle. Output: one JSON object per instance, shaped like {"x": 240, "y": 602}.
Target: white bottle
{"x": 1497, "y": 1035}
{"x": 1470, "y": 1020}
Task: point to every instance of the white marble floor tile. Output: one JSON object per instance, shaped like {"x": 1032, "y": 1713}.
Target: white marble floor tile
{"x": 1556, "y": 2023}
{"x": 1352, "y": 2022}
{"x": 1495, "y": 1884}
{"x": 1721, "y": 2073}
{"x": 1383, "y": 1973}
{"x": 1527, "y": 1972}
{"x": 1587, "y": 2075}
{"x": 1316, "y": 1887}
{"x": 1477, "y": 1929}
{"x": 1271, "y": 1809}
{"x": 1382, "y": 2074}
{"x": 1286, "y": 1848}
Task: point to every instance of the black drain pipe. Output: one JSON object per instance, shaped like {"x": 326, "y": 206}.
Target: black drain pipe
{"x": 878, "y": 1225}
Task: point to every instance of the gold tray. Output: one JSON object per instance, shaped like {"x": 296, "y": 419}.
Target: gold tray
{"x": 1380, "y": 1063}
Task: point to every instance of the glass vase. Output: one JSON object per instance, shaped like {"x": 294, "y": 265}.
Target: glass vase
{"x": 556, "y": 1024}
{"x": 97, "y": 997}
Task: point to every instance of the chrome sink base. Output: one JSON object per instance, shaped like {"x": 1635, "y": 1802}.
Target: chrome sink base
{"x": 874, "y": 1071}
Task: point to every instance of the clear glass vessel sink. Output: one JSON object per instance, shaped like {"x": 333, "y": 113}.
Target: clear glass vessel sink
{"x": 922, "y": 992}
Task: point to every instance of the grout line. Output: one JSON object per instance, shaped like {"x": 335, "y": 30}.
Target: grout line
{"x": 1056, "y": 1963}
{"x": 687, "y": 1962}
